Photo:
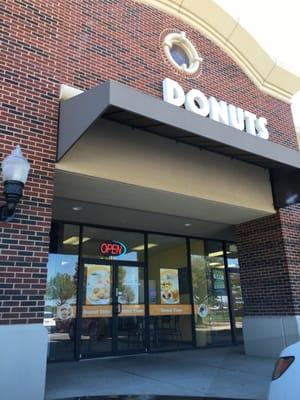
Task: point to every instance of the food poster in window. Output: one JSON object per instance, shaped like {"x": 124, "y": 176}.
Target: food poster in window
{"x": 169, "y": 286}
{"x": 98, "y": 284}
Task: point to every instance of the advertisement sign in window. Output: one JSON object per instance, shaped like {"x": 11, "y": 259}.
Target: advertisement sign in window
{"x": 169, "y": 286}
{"x": 112, "y": 248}
{"x": 98, "y": 284}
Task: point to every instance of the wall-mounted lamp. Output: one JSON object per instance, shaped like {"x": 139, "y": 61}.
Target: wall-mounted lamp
{"x": 15, "y": 169}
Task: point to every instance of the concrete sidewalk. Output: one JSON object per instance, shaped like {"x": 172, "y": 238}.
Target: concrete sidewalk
{"x": 224, "y": 372}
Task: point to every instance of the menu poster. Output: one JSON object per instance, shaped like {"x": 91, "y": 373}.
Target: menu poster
{"x": 169, "y": 286}
{"x": 98, "y": 284}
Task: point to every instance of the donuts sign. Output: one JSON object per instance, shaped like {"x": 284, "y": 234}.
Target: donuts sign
{"x": 112, "y": 248}
{"x": 228, "y": 114}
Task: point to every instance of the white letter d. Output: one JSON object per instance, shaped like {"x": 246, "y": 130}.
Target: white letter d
{"x": 173, "y": 92}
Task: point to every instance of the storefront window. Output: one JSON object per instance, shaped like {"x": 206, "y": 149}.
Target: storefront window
{"x": 169, "y": 293}
{"x": 60, "y": 299}
{"x": 114, "y": 317}
{"x": 232, "y": 256}
{"x": 111, "y": 244}
{"x": 236, "y": 291}
{"x": 212, "y": 318}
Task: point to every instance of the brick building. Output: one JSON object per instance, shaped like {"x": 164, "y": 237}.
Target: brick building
{"x": 161, "y": 145}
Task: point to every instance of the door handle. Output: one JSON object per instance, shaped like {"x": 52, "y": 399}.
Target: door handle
{"x": 119, "y": 308}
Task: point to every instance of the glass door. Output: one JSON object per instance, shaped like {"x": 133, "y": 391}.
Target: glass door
{"x": 112, "y": 309}
{"x": 236, "y": 290}
{"x": 96, "y": 323}
{"x": 211, "y": 300}
{"x": 130, "y": 310}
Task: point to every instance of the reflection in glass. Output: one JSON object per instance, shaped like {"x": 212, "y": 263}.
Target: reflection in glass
{"x": 130, "y": 285}
{"x": 130, "y": 326}
{"x": 96, "y": 323}
{"x": 200, "y": 293}
{"x": 131, "y": 334}
{"x": 169, "y": 293}
{"x": 236, "y": 291}
{"x": 232, "y": 255}
{"x": 96, "y": 336}
{"x": 210, "y": 293}
{"x": 60, "y": 298}
{"x": 238, "y": 304}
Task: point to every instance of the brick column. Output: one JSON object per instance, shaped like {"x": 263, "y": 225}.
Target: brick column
{"x": 269, "y": 254}
{"x": 29, "y": 113}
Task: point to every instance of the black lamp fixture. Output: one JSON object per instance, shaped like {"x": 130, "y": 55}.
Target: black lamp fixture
{"x": 15, "y": 169}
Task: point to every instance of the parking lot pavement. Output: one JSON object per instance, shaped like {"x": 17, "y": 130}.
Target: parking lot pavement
{"x": 222, "y": 372}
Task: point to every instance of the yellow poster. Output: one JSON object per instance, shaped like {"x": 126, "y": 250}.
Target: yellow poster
{"x": 98, "y": 284}
{"x": 170, "y": 309}
{"x": 169, "y": 286}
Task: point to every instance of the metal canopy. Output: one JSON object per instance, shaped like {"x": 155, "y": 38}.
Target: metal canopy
{"x": 120, "y": 103}
{"x": 128, "y": 106}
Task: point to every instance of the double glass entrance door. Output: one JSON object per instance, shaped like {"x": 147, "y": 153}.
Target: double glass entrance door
{"x": 112, "y": 309}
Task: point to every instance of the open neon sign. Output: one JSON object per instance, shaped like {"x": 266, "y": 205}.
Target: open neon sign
{"x": 112, "y": 248}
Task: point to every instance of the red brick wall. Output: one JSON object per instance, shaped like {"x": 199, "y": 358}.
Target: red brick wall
{"x": 121, "y": 40}
{"x": 29, "y": 109}
{"x": 269, "y": 256}
{"x": 83, "y": 43}
{"x": 290, "y": 224}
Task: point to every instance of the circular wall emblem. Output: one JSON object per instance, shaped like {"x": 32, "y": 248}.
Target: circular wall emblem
{"x": 181, "y": 52}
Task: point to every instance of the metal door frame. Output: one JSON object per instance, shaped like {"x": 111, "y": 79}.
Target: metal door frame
{"x": 114, "y": 318}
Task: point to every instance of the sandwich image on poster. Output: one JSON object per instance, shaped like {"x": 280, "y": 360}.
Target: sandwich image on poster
{"x": 98, "y": 284}
{"x": 169, "y": 286}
